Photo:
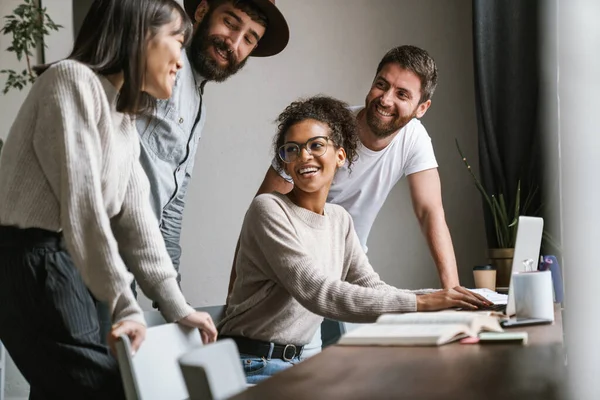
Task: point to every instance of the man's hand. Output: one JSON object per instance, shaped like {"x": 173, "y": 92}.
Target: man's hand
{"x": 204, "y": 322}
{"x": 134, "y": 330}
{"x": 448, "y": 298}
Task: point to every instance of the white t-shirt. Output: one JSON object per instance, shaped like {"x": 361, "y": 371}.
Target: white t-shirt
{"x": 363, "y": 190}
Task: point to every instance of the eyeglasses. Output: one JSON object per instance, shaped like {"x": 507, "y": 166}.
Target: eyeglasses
{"x": 316, "y": 146}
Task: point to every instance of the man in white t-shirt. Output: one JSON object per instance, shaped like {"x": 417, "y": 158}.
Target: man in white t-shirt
{"x": 394, "y": 144}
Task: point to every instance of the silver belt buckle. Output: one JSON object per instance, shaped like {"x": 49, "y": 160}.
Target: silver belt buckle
{"x": 284, "y": 356}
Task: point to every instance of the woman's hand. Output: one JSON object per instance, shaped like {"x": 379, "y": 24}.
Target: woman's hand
{"x": 204, "y": 322}
{"x": 134, "y": 330}
{"x": 448, "y": 298}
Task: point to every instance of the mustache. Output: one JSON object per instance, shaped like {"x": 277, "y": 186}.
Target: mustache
{"x": 220, "y": 44}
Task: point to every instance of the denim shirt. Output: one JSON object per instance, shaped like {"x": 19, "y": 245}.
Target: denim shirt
{"x": 169, "y": 140}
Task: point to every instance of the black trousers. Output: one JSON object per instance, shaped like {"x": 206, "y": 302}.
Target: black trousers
{"x": 49, "y": 322}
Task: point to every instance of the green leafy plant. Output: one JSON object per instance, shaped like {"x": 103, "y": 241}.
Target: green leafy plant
{"x": 505, "y": 219}
{"x": 28, "y": 25}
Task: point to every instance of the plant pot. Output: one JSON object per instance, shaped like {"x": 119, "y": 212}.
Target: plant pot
{"x": 502, "y": 260}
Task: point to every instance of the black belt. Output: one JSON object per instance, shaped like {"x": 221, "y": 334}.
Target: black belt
{"x": 11, "y": 236}
{"x": 261, "y": 349}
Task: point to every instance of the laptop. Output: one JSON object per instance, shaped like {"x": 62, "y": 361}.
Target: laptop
{"x": 527, "y": 256}
{"x": 527, "y": 252}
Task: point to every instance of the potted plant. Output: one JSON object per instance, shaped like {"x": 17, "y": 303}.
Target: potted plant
{"x": 501, "y": 252}
{"x": 28, "y": 24}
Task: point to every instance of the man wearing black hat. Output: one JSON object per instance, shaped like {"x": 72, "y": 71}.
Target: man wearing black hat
{"x": 226, "y": 32}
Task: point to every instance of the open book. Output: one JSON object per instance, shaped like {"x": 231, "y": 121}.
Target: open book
{"x": 420, "y": 329}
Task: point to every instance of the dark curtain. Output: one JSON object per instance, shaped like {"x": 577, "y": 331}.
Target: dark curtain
{"x": 506, "y": 57}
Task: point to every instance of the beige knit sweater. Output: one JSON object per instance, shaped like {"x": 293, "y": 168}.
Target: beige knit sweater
{"x": 295, "y": 267}
{"x": 70, "y": 164}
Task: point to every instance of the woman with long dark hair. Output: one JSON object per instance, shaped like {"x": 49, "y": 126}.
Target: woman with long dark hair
{"x": 74, "y": 203}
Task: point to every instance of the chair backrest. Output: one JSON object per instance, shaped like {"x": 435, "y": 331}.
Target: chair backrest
{"x": 216, "y": 312}
{"x": 213, "y": 371}
{"x": 331, "y": 331}
{"x": 153, "y": 372}
{"x": 155, "y": 318}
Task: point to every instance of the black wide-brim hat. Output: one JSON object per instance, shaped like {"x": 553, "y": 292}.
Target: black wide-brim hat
{"x": 277, "y": 34}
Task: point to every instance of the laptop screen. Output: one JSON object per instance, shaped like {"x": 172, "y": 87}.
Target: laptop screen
{"x": 527, "y": 252}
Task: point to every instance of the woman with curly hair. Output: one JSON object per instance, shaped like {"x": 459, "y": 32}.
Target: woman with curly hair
{"x": 299, "y": 257}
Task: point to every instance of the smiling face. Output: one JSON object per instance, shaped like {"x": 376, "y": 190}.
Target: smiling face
{"x": 163, "y": 60}
{"x": 312, "y": 174}
{"x": 223, "y": 40}
{"x": 393, "y": 100}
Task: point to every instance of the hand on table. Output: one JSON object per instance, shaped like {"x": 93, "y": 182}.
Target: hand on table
{"x": 448, "y": 298}
{"x": 204, "y": 323}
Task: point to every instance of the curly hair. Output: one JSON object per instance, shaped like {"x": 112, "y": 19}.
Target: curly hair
{"x": 331, "y": 112}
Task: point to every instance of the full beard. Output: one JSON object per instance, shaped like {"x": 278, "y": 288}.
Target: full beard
{"x": 203, "y": 62}
{"x": 383, "y": 129}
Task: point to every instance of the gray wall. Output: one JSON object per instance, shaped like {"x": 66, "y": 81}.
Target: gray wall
{"x": 334, "y": 49}
{"x": 10, "y": 103}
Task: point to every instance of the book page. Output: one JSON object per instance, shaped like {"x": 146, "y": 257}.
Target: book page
{"x": 404, "y": 335}
{"x": 441, "y": 317}
{"x": 473, "y": 321}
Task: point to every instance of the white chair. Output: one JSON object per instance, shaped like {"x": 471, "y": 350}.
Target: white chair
{"x": 153, "y": 372}
{"x": 2, "y": 369}
{"x": 213, "y": 371}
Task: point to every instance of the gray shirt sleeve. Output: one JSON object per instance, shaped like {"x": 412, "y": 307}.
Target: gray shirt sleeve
{"x": 171, "y": 224}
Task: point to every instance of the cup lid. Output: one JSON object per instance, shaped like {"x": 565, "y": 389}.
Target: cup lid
{"x": 484, "y": 268}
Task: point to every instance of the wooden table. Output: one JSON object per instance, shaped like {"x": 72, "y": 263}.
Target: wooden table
{"x": 454, "y": 371}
